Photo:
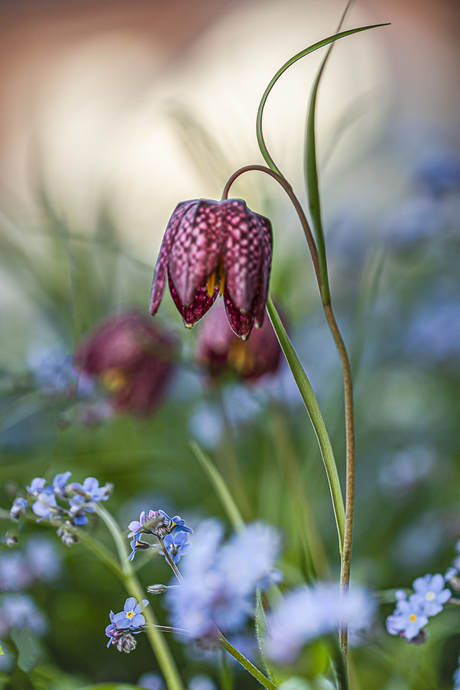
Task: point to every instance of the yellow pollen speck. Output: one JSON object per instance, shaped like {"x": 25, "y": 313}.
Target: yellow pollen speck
{"x": 429, "y": 596}
{"x": 412, "y": 617}
{"x": 114, "y": 379}
{"x": 2, "y": 653}
{"x": 211, "y": 284}
{"x": 130, "y": 614}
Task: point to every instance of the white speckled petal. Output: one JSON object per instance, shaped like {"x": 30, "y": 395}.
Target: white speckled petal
{"x": 196, "y": 250}
{"x": 159, "y": 278}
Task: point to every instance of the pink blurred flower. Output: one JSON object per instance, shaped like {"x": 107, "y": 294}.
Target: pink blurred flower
{"x": 213, "y": 247}
{"x": 131, "y": 358}
{"x": 220, "y": 350}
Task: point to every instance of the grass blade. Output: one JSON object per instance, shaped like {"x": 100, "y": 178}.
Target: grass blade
{"x": 220, "y": 487}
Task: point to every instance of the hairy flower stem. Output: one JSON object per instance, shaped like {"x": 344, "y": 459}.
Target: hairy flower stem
{"x": 253, "y": 670}
{"x": 133, "y": 587}
{"x": 347, "y": 379}
{"x": 350, "y": 481}
{"x": 171, "y": 563}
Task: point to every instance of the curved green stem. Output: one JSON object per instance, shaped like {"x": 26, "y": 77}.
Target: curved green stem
{"x": 220, "y": 487}
{"x": 311, "y": 171}
{"x": 133, "y": 587}
{"x": 320, "y": 44}
{"x": 290, "y": 192}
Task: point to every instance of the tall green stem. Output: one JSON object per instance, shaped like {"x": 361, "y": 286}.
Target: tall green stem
{"x": 350, "y": 443}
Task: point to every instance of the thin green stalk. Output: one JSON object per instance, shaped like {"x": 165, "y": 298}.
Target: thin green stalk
{"x": 133, "y": 587}
{"x": 311, "y": 172}
{"x": 253, "y": 670}
{"x": 171, "y": 563}
{"x": 314, "y": 412}
{"x": 295, "y": 202}
{"x": 350, "y": 471}
{"x": 220, "y": 487}
{"x": 326, "y": 41}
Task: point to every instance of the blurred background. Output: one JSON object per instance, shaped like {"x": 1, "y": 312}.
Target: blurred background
{"x": 113, "y": 112}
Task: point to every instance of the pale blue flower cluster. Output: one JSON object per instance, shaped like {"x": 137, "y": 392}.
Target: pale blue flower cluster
{"x": 151, "y": 681}
{"x": 220, "y": 579}
{"x": 123, "y": 624}
{"x": 172, "y": 533}
{"x": 411, "y": 615}
{"x": 308, "y": 613}
{"x": 80, "y": 499}
{"x": 38, "y": 561}
{"x": 19, "y": 611}
{"x": 53, "y": 370}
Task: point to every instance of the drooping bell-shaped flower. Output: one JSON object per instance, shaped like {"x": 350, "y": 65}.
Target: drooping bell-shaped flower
{"x": 213, "y": 247}
{"x": 219, "y": 350}
{"x": 131, "y": 358}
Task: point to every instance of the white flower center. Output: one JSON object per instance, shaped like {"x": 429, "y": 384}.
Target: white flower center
{"x": 429, "y": 596}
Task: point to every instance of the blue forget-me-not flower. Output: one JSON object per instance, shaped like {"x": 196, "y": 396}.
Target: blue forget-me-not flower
{"x": 220, "y": 581}
{"x": 158, "y": 523}
{"x": 411, "y": 615}
{"x": 128, "y": 621}
{"x": 307, "y": 613}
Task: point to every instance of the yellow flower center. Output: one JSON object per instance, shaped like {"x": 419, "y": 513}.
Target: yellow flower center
{"x": 412, "y": 618}
{"x": 429, "y": 596}
{"x": 114, "y": 379}
{"x": 216, "y": 279}
{"x": 130, "y": 614}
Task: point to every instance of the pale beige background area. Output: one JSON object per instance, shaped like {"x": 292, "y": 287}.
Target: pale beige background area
{"x": 92, "y": 94}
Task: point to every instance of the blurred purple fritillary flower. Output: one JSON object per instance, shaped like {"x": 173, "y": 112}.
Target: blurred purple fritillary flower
{"x": 213, "y": 247}
{"x": 131, "y": 358}
{"x": 219, "y": 350}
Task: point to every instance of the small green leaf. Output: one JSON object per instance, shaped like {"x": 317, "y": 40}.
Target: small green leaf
{"x": 261, "y": 633}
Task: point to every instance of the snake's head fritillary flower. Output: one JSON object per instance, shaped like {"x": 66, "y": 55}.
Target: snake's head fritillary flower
{"x": 219, "y": 350}
{"x": 211, "y": 248}
{"x": 131, "y": 358}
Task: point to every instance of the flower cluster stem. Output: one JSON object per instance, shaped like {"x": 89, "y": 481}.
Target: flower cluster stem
{"x": 133, "y": 587}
